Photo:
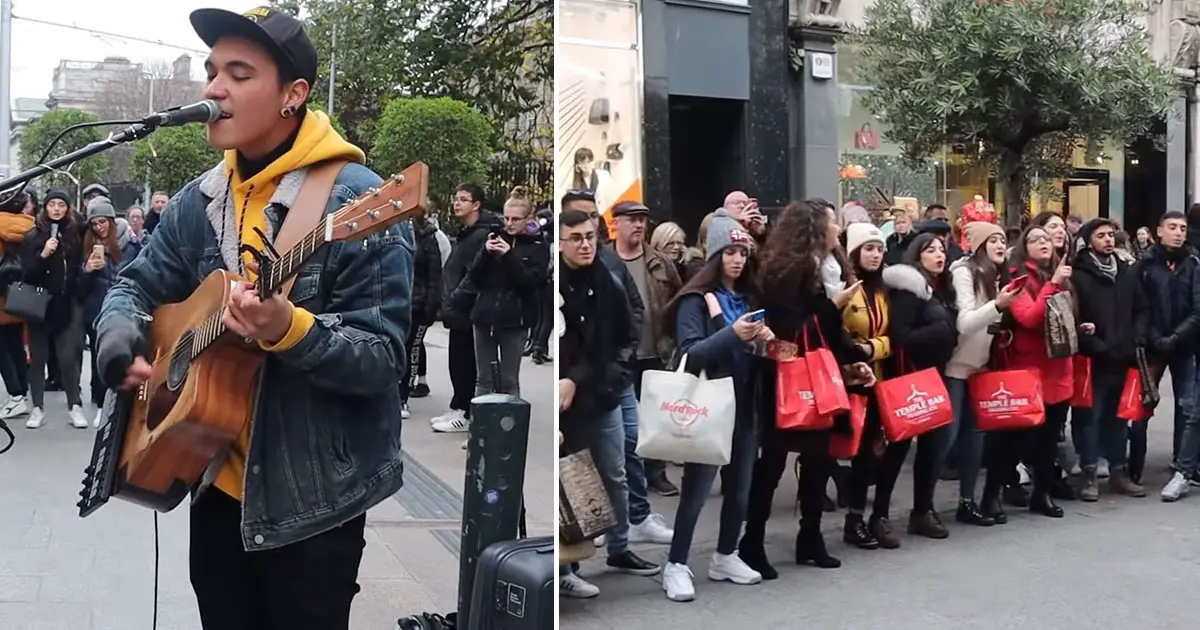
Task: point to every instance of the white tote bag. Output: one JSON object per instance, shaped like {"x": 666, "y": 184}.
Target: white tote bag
{"x": 686, "y": 418}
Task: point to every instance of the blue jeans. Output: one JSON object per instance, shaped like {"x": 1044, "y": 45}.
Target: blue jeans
{"x": 635, "y": 471}
{"x": 697, "y": 484}
{"x": 609, "y": 455}
{"x": 1105, "y": 432}
{"x": 963, "y": 438}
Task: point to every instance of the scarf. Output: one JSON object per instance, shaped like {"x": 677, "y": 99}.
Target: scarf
{"x": 1107, "y": 265}
{"x": 733, "y": 306}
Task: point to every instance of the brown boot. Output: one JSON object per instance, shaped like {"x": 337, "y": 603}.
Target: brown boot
{"x": 1120, "y": 483}
{"x": 927, "y": 524}
{"x": 881, "y": 529}
{"x": 1090, "y": 492}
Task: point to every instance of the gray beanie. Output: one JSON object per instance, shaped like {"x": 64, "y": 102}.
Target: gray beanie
{"x": 100, "y": 207}
{"x": 725, "y": 232}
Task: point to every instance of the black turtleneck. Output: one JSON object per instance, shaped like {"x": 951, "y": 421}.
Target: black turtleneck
{"x": 1175, "y": 254}
{"x": 248, "y": 168}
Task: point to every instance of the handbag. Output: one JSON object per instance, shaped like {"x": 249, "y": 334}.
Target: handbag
{"x": 10, "y": 269}
{"x": 1130, "y": 407}
{"x": 913, "y": 404}
{"x": 1083, "y": 392}
{"x": 1007, "y": 399}
{"x": 1062, "y": 339}
{"x": 26, "y": 301}
{"x": 795, "y": 405}
{"x": 584, "y": 508}
{"x": 828, "y": 387}
{"x": 683, "y": 417}
{"x": 846, "y": 445}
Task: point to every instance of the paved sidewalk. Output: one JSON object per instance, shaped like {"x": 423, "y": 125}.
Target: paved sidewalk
{"x": 1118, "y": 563}
{"x": 60, "y": 572}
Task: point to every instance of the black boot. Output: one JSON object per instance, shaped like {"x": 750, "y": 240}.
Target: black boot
{"x": 841, "y": 482}
{"x": 969, "y": 513}
{"x": 754, "y": 555}
{"x": 1016, "y": 496}
{"x": 810, "y": 547}
{"x": 855, "y": 533}
{"x": 1041, "y": 503}
{"x": 993, "y": 508}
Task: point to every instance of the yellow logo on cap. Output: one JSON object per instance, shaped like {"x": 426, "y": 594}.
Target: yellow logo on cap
{"x": 258, "y": 12}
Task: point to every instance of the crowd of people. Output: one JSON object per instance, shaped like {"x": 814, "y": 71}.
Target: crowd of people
{"x": 957, "y": 300}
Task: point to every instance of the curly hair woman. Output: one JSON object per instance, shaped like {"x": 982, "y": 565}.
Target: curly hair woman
{"x": 795, "y": 300}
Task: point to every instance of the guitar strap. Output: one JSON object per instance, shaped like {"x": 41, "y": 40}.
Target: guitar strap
{"x": 308, "y": 210}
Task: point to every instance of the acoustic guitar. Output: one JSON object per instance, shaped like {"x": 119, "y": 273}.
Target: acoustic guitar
{"x": 159, "y": 438}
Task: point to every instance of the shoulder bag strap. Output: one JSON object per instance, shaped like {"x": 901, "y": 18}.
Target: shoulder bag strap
{"x": 308, "y": 211}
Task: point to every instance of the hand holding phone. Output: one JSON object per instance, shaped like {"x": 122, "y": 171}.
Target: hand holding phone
{"x": 756, "y": 316}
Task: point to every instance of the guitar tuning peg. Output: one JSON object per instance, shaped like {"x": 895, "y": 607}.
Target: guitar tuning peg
{"x": 397, "y": 204}
{"x": 398, "y": 178}
{"x": 374, "y": 192}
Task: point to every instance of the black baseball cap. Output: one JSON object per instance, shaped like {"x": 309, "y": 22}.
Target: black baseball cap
{"x": 281, "y": 34}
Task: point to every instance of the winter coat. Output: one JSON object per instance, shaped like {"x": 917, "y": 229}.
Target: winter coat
{"x": 1028, "y": 347}
{"x": 508, "y": 285}
{"x": 867, "y": 319}
{"x": 458, "y": 291}
{"x": 1171, "y": 307}
{"x": 710, "y": 344}
{"x": 58, "y": 274}
{"x": 1110, "y": 305}
{"x": 922, "y": 322}
{"x": 427, "y": 276}
{"x": 975, "y": 316}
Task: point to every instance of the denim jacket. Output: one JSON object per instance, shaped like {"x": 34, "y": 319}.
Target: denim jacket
{"x": 325, "y": 440}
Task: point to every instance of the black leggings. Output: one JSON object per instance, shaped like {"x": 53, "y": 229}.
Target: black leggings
{"x": 815, "y": 467}
{"x": 887, "y": 468}
{"x": 1038, "y": 446}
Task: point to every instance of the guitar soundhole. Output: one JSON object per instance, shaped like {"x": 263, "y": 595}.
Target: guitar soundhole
{"x": 181, "y": 360}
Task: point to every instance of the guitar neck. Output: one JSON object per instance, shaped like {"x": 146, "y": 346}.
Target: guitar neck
{"x": 276, "y": 272}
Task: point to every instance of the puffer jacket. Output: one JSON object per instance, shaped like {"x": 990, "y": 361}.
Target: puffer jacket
{"x": 1028, "y": 348}
{"x": 975, "y": 315}
{"x": 922, "y": 322}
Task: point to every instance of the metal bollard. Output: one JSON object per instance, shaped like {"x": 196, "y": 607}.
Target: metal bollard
{"x": 493, "y": 502}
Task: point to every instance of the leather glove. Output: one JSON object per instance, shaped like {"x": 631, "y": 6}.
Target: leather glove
{"x": 117, "y": 344}
{"x": 1164, "y": 345}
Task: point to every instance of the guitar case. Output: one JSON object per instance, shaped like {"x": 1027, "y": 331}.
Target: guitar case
{"x": 514, "y": 586}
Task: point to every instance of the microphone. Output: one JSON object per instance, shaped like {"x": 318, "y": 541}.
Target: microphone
{"x": 207, "y": 111}
{"x": 53, "y": 230}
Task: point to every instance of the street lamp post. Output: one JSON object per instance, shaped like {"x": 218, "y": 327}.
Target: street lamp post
{"x": 6, "y": 64}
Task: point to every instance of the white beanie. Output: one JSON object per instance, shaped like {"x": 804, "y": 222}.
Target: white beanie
{"x": 859, "y": 234}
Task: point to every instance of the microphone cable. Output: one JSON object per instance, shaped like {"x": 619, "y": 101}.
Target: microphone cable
{"x": 12, "y": 439}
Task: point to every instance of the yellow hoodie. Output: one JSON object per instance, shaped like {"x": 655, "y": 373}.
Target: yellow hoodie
{"x": 316, "y": 142}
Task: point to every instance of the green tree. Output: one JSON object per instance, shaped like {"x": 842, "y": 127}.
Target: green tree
{"x": 40, "y": 134}
{"x": 497, "y": 55}
{"x": 449, "y": 136}
{"x": 1020, "y": 83}
{"x": 173, "y": 156}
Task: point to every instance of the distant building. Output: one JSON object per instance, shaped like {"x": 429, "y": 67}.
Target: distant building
{"x": 24, "y": 111}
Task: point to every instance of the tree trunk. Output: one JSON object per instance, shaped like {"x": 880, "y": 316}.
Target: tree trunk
{"x": 1016, "y": 191}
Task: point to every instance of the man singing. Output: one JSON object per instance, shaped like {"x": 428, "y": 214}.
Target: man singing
{"x": 277, "y": 521}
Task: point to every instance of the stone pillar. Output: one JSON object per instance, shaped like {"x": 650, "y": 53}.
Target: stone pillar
{"x": 814, "y": 106}
{"x": 656, "y": 112}
{"x": 1178, "y": 177}
{"x": 767, "y": 119}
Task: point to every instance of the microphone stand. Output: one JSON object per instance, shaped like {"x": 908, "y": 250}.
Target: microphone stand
{"x": 129, "y": 134}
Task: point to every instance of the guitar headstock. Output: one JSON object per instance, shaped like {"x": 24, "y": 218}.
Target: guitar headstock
{"x": 399, "y": 197}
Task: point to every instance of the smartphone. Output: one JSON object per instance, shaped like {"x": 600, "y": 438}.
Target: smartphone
{"x": 98, "y": 250}
{"x": 756, "y": 316}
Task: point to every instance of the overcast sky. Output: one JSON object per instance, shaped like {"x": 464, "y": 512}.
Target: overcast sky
{"x": 37, "y": 48}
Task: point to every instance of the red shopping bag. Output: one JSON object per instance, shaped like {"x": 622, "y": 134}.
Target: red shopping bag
{"x": 913, "y": 404}
{"x": 843, "y": 446}
{"x": 828, "y": 388}
{"x": 1007, "y": 399}
{"x": 1130, "y": 406}
{"x": 795, "y": 409}
{"x": 1082, "y": 396}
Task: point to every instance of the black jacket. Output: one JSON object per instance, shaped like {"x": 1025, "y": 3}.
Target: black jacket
{"x": 1170, "y": 309}
{"x": 1110, "y": 305}
{"x": 459, "y": 293}
{"x": 597, "y": 323}
{"x": 58, "y": 274}
{"x": 637, "y": 309}
{"x": 427, "y": 276}
{"x": 896, "y": 244}
{"x": 921, "y": 321}
{"x": 509, "y": 285}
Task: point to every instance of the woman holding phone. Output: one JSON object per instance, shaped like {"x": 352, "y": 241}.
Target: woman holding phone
{"x": 99, "y": 270}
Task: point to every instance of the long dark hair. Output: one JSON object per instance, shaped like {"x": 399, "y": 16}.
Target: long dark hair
{"x": 110, "y": 242}
{"x": 1045, "y": 217}
{"x": 942, "y": 286}
{"x": 792, "y": 255}
{"x": 987, "y": 275}
{"x": 707, "y": 279}
{"x": 872, "y": 280}
{"x": 68, "y": 227}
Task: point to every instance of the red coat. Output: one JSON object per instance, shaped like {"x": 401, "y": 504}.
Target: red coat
{"x": 1028, "y": 349}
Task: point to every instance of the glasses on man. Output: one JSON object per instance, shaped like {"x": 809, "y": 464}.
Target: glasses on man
{"x": 578, "y": 240}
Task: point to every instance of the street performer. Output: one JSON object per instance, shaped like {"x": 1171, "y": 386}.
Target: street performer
{"x": 277, "y": 523}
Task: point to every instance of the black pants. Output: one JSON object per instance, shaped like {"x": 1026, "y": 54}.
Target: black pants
{"x": 462, "y": 368}
{"x": 887, "y": 468}
{"x": 1038, "y": 446}
{"x": 309, "y": 584}
{"x": 540, "y": 335}
{"x": 815, "y": 468}
{"x": 97, "y": 385}
{"x": 14, "y": 368}
{"x": 53, "y": 374}
{"x": 413, "y": 347}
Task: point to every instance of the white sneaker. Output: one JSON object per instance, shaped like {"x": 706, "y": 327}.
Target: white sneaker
{"x": 571, "y": 585}
{"x": 1177, "y": 488}
{"x": 1102, "y": 468}
{"x": 444, "y": 417}
{"x": 404, "y": 413}
{"x": 677, "y": 582}
{"x": 652, "y": 530}
{"x": 37, "y": 418}
{"x": 75, "y": 416}
{"x": 1023, "y": 473}
{"x": 456, "y": 422}
{"x": 599, "y": 541}
{"x": 16, "y": 406}
{"x": 99, "y": 418}
{"x": 732, "y": 568}
{"x": 1076, "y": 470}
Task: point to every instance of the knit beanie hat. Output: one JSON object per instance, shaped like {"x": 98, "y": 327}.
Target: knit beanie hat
{"x": 100, "y": 207}
{"x": 978, "y": 232}
{"x": 725, "y": 232}
{"x": 859, "y": 234}
{"x": 1085, "y": 232}
{"x": 56, "y": 193}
